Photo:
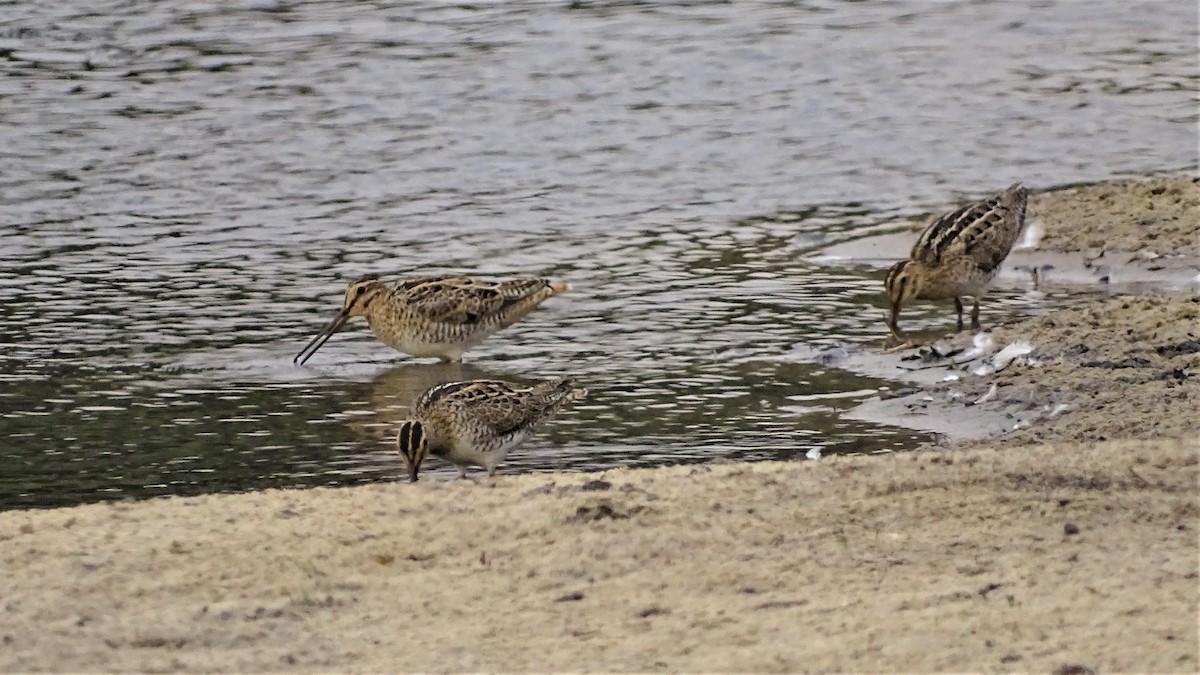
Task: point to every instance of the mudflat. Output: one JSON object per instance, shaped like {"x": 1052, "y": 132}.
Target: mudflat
{"x": 1116, "y": 368}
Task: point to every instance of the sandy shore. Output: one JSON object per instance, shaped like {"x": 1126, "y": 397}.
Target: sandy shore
{"x": 1036, "y": 558}
{"x": 1068, "y": 545}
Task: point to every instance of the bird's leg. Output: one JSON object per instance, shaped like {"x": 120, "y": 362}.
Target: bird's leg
{"x": 959, "y": 308}
{"x": 975, "y": 314}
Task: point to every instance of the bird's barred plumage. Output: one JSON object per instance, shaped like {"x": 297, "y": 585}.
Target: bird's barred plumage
{"x": 984, "y": 231}
{"x": 442, "y": 316}
{"x": 958, "y": 254}
{"x": 477, "y": 422}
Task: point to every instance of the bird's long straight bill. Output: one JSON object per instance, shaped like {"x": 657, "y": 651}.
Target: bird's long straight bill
{"x": 893, "y": 320}
{"x": 321, "y": 338}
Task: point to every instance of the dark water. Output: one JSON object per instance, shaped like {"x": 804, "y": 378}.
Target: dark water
{"x": 186, "y": 187}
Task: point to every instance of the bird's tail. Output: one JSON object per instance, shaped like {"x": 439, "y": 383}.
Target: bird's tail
{"x": 1016, "y": 198}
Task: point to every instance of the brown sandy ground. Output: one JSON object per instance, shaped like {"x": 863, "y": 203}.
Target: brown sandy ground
{"x": 1159, "y": 215}
{"x": 1044, "y": 558}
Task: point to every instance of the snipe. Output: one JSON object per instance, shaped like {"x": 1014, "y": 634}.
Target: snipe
{"x": 477, "y": 422}
{"x": 958, "y": 254}
{"x": 440, "y": 316}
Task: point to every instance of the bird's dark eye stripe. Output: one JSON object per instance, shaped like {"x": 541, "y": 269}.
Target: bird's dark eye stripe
{"x": 405, "y": 435}
{"x": 894, "y": 275}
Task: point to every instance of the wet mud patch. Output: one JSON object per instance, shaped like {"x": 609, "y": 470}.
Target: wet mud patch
{"x": 1119, "y": 363}
{"x": 927, "y": 398}
{"x": 604, "y": 510}
{"x": 1117, "y": 368}
{"x": 1114, "y": 369}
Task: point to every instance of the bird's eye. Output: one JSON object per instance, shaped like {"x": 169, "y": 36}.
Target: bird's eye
{"x": 359, "y": 291}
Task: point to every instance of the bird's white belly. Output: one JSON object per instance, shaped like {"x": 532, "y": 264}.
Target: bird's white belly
{"x": 465, "y": 451}
{"x": 418, "y": 346}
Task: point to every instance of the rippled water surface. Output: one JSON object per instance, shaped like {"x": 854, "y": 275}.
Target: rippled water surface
{"x": 186, "y": 188}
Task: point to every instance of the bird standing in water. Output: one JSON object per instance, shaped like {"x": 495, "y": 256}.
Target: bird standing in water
{"x": 440, "y": 316}
{"x": 958, "y": 254}
{"x": 477, "y": 422}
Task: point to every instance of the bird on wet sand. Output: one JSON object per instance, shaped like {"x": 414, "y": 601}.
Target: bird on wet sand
{"x": 476, "y": 422}
{"x": 958, "y": 254}
{"x": 440, "y": 316}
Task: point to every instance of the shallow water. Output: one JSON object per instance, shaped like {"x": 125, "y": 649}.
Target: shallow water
{"x": 188, "y": 186}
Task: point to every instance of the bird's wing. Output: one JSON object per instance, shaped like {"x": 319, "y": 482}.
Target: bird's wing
{"x": 463, "y": 300}
{"x": 504, "y": 409}
{"x": 983, "y": 231}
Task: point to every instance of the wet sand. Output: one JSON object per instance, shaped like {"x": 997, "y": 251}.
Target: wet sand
{"x": 1113, "y": 368}
{"x": 1122, "y": 368}
{"x": 1068, "y": 545}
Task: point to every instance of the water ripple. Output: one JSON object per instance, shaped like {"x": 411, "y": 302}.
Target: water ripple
{"x": 188, "y": 186}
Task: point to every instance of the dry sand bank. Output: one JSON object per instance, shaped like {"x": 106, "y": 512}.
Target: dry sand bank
{"x": 1159, "y": 215}
{"x": 1034, "y": 558}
